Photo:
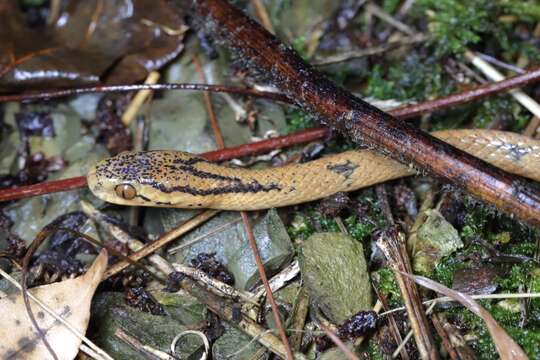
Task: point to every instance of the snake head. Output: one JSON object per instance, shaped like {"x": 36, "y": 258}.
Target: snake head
{"x": 120, "y": 179}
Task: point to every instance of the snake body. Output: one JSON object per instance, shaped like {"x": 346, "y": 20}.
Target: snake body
{"x": 183, "y": 180}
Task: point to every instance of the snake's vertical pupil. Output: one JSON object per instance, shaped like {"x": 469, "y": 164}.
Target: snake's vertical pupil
{"x": 125, "y": 191}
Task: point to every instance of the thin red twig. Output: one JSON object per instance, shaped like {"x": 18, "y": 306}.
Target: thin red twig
{"x": 479, "y": 92}
{"x": 264, "y": 278}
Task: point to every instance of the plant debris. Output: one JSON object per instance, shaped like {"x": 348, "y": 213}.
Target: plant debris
{"x": 176, "y": 272}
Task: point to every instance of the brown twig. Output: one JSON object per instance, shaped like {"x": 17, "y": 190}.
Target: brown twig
{"x": 392, "y": 244}
{"x": 393, "y": 326}
{"x": 264, "y": 278}
{"x": 209, "y": 109}
{"x": 260, "y": 9}
{"x": 364, "y": 123}
{"x": 446, "y": 342}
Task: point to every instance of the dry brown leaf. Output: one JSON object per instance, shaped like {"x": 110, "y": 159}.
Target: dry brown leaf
{"x": 70, "y": 299}
{"x": 506, "y": 346}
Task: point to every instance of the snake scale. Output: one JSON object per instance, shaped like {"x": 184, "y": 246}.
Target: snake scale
{"x": 182, "y": 180}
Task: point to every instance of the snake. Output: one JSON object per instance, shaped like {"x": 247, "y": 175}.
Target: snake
{"x": 163, "y": 178}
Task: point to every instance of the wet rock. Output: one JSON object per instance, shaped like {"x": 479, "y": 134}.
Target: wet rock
{"x": 110, "y": 314}
{"x": 234, "y": 344}
{"x": 335, "y": 275}
{"x": 434, "y": 239}
{"x": 231, "y": 248}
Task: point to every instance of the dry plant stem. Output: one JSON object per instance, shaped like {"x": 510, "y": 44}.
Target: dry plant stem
{"x": 43, "y": 188}
{"x": 444, "y": 299}
{"x": 263, "y": 15}
{"x": 410, "y": 334}
{"x": 161, "y": 241}
{"x": 392, "y": 244}
{"x": 119, "y": 234}
{"x": 208, "y": 103}
{"x": 139, "y": 99}
{"x": 364, "y": 123}
{"x": 357, "y": 54}
{"x": 278, "y": 281}
{"x": 145, "y": 351}
{"x": 446, "y": 342}
{"x": 298, "y": 318}
{"x": 394, "y": 329}
{"x": 477, "y": 93}
{"x": 262, "y": 274}
{"x": 217, "y": 287}
{"x": 492, "y": 73}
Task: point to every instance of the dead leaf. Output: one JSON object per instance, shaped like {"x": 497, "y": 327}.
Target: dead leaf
{"x": 506, "y": 346}
{"x": 91, "y": 42}
{"x": 70, "y": 299}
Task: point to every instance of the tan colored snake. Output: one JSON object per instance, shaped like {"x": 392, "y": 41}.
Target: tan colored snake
{"x": 183, "y": 180}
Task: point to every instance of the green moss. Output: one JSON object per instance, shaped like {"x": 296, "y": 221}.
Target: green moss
{"x": 528, "y": 338}
{"x": 492, "y": 109}
{"x": 358, "y": 228}
{"x": 299, "y": 44}
{"x": 373, "y": 349}
{"x": 387, "y": 285}
{"x": 458, "y": 24}
{"x": 501, "y": 107}
{"x": 525, "y": 10}
{"x": 518, "y": 277}
{"x": 298, "y": 120}
{"x": 445, "y": 270}
{"x": 390, "y": 6}
{"x": 415, "y": 77}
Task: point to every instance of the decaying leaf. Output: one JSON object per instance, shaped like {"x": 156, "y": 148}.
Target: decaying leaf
{"x": 116, "y": 41}
{"x": 506, "y": 346}
{"x": 70, "y": 299}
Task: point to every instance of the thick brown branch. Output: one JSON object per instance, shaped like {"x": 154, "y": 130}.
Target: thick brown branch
{"x": 364, "y": 123}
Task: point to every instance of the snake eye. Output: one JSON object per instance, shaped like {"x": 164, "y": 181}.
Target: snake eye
{"x": 125, "y": 191}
